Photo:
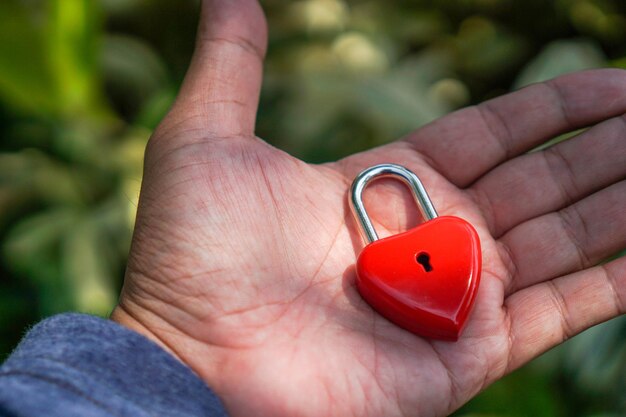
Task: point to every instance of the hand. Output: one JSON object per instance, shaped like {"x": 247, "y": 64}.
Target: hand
{"x": 242, "y": 263}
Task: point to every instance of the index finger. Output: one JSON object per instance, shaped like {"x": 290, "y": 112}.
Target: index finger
{"x": 470, "y": 142}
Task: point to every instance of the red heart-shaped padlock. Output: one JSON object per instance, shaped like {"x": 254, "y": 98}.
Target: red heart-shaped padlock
{"x": 424, "y": 280}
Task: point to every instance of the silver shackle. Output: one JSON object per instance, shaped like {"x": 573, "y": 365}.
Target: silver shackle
{"x": 386, "y": 171}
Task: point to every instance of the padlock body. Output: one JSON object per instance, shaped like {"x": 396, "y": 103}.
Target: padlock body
{"x": 424, "y": 280}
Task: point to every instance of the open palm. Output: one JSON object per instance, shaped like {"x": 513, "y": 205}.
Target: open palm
{"x": 243, "y": 257}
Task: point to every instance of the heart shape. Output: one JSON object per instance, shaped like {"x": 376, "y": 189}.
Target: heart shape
{"x": 425, "y": 279}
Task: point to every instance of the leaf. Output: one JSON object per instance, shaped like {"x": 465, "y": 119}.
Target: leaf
{"x": 86, "y": 269}
{"x": 561, "y": 57}
{"x": 135, "y": 76}
{"x": 68, "y": 258}
{"x": 523, "y": 393}
{"x": 155, "y": 108}
{"x": 34, "y": 174}
{"x": 31, "y": 249}
{"x": 25, "y": 80}
{"x": 485, "y": 49}
{"x": 48, "y": 57}
{"x": 72, "y": 45}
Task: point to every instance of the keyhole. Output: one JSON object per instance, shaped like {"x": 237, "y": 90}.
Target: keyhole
{"x": 424, "y": 260}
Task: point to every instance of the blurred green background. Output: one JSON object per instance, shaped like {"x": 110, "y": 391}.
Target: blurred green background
{"x": 83, "y": 83}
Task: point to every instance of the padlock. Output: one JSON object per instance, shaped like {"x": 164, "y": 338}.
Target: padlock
{"x": 424, "y": 280}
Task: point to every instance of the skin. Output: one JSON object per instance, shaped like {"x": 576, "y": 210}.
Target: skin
{"x": 242, "y": 262}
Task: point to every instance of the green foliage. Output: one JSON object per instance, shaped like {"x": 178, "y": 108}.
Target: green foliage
{"x": 523, "y": 393}
{"x": 83, "y": 83}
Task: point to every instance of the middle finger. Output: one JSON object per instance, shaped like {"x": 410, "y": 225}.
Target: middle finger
{"x": 575, "y": 238}
{"x": 548, "y": 180}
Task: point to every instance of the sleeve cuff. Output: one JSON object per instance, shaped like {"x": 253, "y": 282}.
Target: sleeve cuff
{"x": 80, "y": 362}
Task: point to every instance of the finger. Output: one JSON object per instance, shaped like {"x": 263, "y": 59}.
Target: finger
{"x": 541, "y": 182}
{"x": 468, "y": 143}
{"x": 579, "y": 236}
{"x": 221, "y": 90}
{"x": 549, "y": 313}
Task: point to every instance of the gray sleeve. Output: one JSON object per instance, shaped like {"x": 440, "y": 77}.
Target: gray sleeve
{"x": 79, "y": 365}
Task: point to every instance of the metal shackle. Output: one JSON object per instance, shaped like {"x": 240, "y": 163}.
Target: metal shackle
{"x": 387, "y": 171}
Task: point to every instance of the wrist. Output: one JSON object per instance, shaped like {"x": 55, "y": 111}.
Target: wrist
{"x": 124, "y": 316}
{"x": 185, "y": 349}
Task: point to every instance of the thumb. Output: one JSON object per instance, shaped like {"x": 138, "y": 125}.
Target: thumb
{"x": 220, "y": 93}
